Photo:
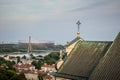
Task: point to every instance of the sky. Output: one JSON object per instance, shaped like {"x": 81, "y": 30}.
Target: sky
{"x": 55, "y": 20}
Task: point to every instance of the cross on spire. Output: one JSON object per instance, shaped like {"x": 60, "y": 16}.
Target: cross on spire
{"x": 78, "y": 23}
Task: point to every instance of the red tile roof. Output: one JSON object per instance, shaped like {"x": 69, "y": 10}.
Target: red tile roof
{"x": 24, "y": 68}
{"x": 48, "y": 66}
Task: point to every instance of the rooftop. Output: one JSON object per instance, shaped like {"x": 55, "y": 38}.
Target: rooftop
{"x": 93, "y": 60}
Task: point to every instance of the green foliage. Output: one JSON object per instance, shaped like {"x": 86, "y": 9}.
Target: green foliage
{"x": 17, "y": 47}
{"x": 52, "y": 58}
{"x": 15, "y": 77}
{"x": 18, "y": 59}
{"x": 37, "y": 64}
{"x": 8, "y": 74}
{"x": 8, "y": 47}
{"x": 22, "y": 76}
{"x": 49, "y": 59}
{"x": 3, "y": 73}
{"x": 24, "y": 57}
{"x": 32, "y": 56}
{"x": 40, "y": 76}
{"x": 3, "y": 77}
{"x": 6, "y": 63}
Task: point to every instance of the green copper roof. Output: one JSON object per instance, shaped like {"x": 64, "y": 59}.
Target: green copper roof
{"x": 93, "y": 60}
{"x": 109, "y": 66}
{"x": 84, "y": 58}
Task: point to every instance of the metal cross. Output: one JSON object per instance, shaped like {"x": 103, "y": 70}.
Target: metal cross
{"x": 78, "y": 23}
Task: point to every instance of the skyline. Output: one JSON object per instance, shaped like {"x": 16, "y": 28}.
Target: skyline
{"x": 55, "y": 20}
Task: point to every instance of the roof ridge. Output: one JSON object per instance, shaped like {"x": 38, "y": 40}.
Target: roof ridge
{"x": 97, "y": 41}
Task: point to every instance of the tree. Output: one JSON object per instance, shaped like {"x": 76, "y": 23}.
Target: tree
{"x": 40, "y": 76}
{"x": 7, "y": 74}
{"x": 32, "y": 56}
{"x": 3, "y": 73}
{"x": 10, "y": 73}
{"x": 51, "y": 58}
{"x": 6, "y": 64}
{"x": 3, "y": 77}
{"x": 18, "y": 59}
{"x": 37, "y": 64}
{"x": 24, "y": 57}
{"x": 15, "y": 77}
{"x": 22, "y": 76}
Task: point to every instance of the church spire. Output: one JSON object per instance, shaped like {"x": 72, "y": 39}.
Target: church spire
{"x": 78, "y": 33}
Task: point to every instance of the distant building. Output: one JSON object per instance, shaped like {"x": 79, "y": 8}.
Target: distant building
{"x": 24, "y": 67}
{"x": 10, "y": 58}
{"x": 35, "y": 46}
{"x": 32, "y": 74}
{"x": 48, "y": 68}
{"x": 37, "y": 43}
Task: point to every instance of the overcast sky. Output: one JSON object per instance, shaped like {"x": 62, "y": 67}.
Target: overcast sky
{"x": 55, "y": 20}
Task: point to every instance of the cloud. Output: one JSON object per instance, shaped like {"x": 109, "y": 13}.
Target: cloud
{"x": 91, "y": 6}
{"x": 24, "y": 17}
{"x": 20, "y": 21}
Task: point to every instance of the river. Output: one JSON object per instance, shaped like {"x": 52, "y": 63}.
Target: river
{"x": 26, "y": 54}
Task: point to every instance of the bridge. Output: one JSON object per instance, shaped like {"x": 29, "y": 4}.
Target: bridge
{"x": 30, "y": 50}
